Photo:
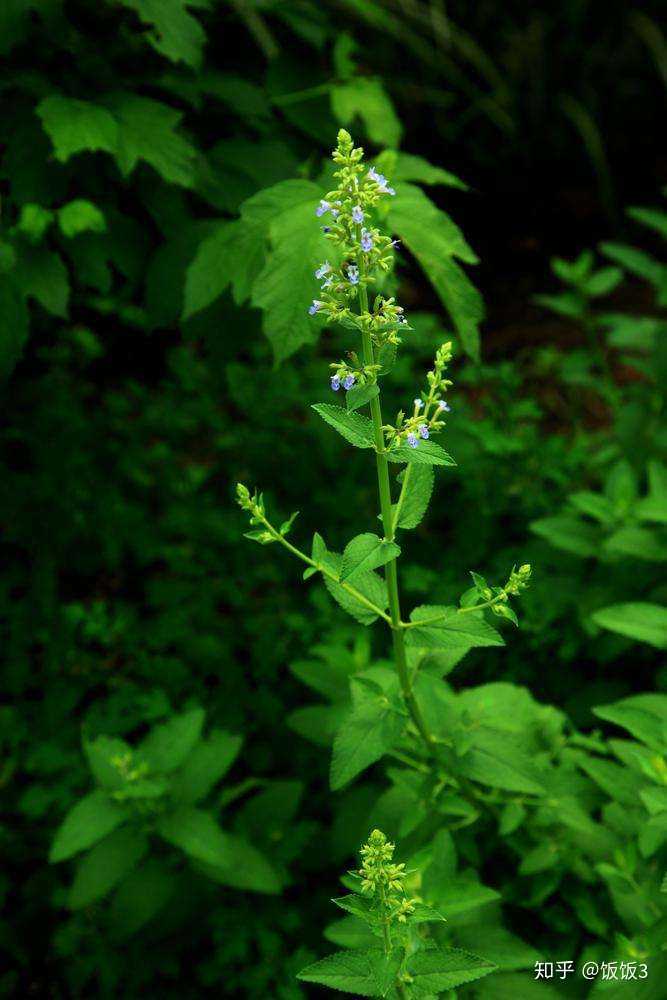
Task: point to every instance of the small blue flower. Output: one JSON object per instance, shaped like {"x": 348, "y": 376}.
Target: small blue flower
{"x": 381, "y": 181}
{"x": 423, "y": 430}
{"x": 327, "y": 283}
{"x": 335, "y": 382}
{"x": 413, "y": 440}
{"x": 323, "y": 269}
{"x": 357, "y": 214}
{"x": 326, "y": 229}
{"x": 323, "y": 207}
{"x": 349, "y": 381}
{"x": 316, "y": 306}
{"x": 395, "y": 243}
{"x": 442, "y": 405}
{"x": 353, "y": 274}
{"x": 366, "y": 241}
{"x": 419, "y": 403}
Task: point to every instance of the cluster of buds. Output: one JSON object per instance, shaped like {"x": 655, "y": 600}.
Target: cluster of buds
{"x": 140, "y": 789}
{"x": 363, "y": 249}
{"x": 384, "y": 879}
{"x": 428, "y": 409}
{"x": 349, "y": 374}
{"x": 518, "y": 580}
{"x": 497, "y": 598}
{"x": 254, "y": 504}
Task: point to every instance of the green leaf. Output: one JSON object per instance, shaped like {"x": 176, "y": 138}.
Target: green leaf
{"x": 40, "y": 274}
{"x": 197, "y": 833}
{"x": 653, "y": 507}
{"x": 246, "y": 868}
{"x": 174, "y": 33}
{"x": 100, "y": 753}
{"x": 317, "y": 723}
{"x": 92, "y": 818}
{"x": 415, "y": 168}
{"x": 286, "y": 285}
{"x": 213, "y": 267}
{"x": 505, "y": 950}
{"x": 140, "y": 897}
{"x": 640, "y": 543}
{"x": 603, "y": 281}
{"x": 453, "y": 628}
{"x": 367, "y": 972}
{"x": 103, "y": 867}
{"x": 499, "y": 760}
{"x": 77, "y": 126}
{"x": 13, "y": 326}
{"x": 651, "y": 217}
{"x": 366, "y": 98}
{"x": 167, "y": 745}
{"x": 366, "y": 552}
{"x": 426, "y": 453}
{"x": 147, "y": 130}
{"x": 635, "y": 261}
{"x": 417, "y": 495}
{"x": 206, "y": 765}
{"x": 359, "y": 395}
{"x": 369, "y": 584}
{"x": 569, "y": 534}
{"x": 371, "y": 728}
{"x": 446, "y": 968}
{"x": 641, "y": 621}
{"x": 34, "y": 222}
{"x": 354, "y": 427}
{"x": 80, "y": 216}
{"x": 643, "y": 715}
{"x": 436, "y": 241}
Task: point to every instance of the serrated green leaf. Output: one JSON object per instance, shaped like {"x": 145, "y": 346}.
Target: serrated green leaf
{"x": 368, "y": 973}
{"x": 416, "y": 496}
{"x": 415, "y": 168}
{"x": 147, "y": 130}
{"x": 370, "y": 729}
{"x": 105, "y": 865}
{"x": 364, "y": 553}
{"x": 92, "y": 818}
{"x": 354, "y": 427}
{"x": 440, "y": 969}
{"x": 245, "y": 868}
{"x": 426, "y": 453}
{"x": 569, "y": 534}
{"x": 498, "y": 759}
{"x": 366, "y": 98}
{"x": 359, "y": 395}
{"x": 452, "y": 628}
{"x": 197, "y": 833}
{"x": 77, "y": 126}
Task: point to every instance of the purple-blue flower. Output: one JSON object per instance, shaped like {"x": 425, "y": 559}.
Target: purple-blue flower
{"x": 419, "y": 403}
{"x": 381, "y": 181}
{"x": 327, "y": 283}
{"x": 353, "y": 274}
{"x": 357, "y": 214}
{"x": 335, "y": 382}
{"x": 366, "y": 241}
{"x": 323, "y": 269}
{"x": 323, "y": 207}
{"x": 316, "y": 306}
{"x": 423, "y": 430}
{"x": 442, "y": 405}
{"x": 413, "y": 440}
{"x": 348, "y": 381}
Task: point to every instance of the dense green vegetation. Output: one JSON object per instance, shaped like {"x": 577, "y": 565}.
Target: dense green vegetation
{"x": 168, "y": 825}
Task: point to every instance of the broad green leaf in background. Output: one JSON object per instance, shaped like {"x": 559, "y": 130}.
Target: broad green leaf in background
{"x": 371, "y": 728}
{"x": 80, "y": 216}
{"x": 498, "y": 759}
{"x": 197, "y": 833}
{"x": 643, "y": 715}
{"x": 41, "y": 275}
{"x": 105, "y": 865}
{"x": 408, "y": 167}
{"x": 366, "y": 552}
{"x": 417, "y": 495}
{"x": 367, "y": 972}
{"x": 213, "y": 266}
{"x": 453, "y": 628}
{"x": 369, "y": 584}
{"x": 366, "y": 98}
{"x": 245, "y": 868}
{"x": 640, "y": 620}
{"x": 569, "y": 533}
{"x": 140, "y": 896}
{"x": 77, "y": 126}
{"x": 168, "y": 744}
{"x": 101, "y": 753}
{"x": 354, "y": 427}
{"x": 206, "y": 765}
{"x": 147, "y": 130}
{"x": 175, "y": 33}
{"x": 92, "y": 818}
{"x": 436, "y": 241}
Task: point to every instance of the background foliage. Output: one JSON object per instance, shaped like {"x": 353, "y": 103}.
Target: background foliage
{"x": 160, "y": 166}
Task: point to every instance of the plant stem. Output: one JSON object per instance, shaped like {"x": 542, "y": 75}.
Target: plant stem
{"x": 390, "y": 570}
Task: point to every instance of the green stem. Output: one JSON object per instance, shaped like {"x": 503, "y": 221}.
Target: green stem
{"x": 390, "y": 570}
{"x": 325, "y": 571}
{"x": 462, "y": 611}
{"x": 401, "y": 498}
